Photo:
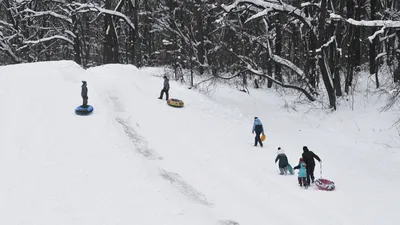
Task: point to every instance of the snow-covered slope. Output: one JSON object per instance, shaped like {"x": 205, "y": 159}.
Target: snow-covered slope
{"x": 136, "y": 160}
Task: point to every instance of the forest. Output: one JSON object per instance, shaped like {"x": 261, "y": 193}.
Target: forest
{"x": 312, "y": 47}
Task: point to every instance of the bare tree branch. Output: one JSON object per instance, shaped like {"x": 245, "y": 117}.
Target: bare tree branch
{"x": 369, "y": 23}
{"x": 259, "y": 73}
{"x": 49, "y": 39}
{"x": 95, "y": 8}
{"x": 47, "y": 13}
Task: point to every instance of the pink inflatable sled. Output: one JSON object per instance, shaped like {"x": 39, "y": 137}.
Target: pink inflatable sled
{"x": 324, "y": 184}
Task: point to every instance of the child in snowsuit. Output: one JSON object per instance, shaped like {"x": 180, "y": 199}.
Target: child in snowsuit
{"x": 302, "y": 178}
{"x": 259, "y": 129}
{"x": 283, "y": 162}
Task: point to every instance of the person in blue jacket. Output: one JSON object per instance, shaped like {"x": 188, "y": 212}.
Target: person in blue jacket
{"x": 302, "y": 178}
{"x": 259, "y": 129}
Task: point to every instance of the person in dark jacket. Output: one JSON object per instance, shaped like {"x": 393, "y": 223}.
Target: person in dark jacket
{"x": 84, "y": 93}
{"x": 308, "y": 157}
{"x": 283, "y": 161}
{"x": 165, "y": 89}
{"x": 259, "y": 129}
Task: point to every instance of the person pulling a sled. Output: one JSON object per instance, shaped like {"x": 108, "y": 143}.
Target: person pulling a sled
{"x": 308, "y": 157}
{"x": 302, "y": 178}
{"x": 84, "y": 93}
{"x": 165, "y": 89}
{"x": 259, "y": 129}
{"x": 284, "y": 166}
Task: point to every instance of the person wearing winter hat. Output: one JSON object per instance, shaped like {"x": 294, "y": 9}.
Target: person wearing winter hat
{"x": 283, "y": 161}
{"x": 84, "y": 93}
{"x": 302, "y": 178}
{"x": 165, "y": 89}
{"x": 308, "y": 157}
{"x": 259, "y": 129}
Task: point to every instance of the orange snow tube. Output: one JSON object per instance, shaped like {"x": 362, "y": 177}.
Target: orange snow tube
{"x": 263, "y": 137}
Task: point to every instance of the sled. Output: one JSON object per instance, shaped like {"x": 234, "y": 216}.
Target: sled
{"x": 325, "y": 185}
{"x": 84, "y": 110}
{"x": 175, "y": 102}
{"x": 290, "y": 169}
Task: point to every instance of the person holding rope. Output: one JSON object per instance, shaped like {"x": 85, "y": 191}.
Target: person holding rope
{"x": 308, "y": 158}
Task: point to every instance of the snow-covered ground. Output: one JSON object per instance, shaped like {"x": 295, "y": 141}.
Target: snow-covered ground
{"x": 136, "y": 160}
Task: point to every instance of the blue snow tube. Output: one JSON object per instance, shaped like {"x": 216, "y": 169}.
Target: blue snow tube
{"x": 84, "y": 110}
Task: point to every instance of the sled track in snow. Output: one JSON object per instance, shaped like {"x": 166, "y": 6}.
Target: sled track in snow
{"x": 228, "y": 222}
{"x": 184, "y": 187}
{"x": 140, "y": 144}
{"x": 115, "y": 102}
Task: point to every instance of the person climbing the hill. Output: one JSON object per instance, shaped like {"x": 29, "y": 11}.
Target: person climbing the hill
{"x": 302, "y": 178}
{"x": 308, "y": 157}
{"x": 283, "y": 161}
{"x": 84, "y": 93}
{"x": 165, "y": 89}
{"x": 259, "y": 129}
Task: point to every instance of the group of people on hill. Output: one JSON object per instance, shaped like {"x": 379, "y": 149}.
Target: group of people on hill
{"x": 306, "y": 165}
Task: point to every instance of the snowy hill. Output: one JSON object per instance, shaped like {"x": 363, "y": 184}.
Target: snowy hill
{"x": 136, "y": 160}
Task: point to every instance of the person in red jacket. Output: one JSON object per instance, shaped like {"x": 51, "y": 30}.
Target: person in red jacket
{"x": 308, "y": 158}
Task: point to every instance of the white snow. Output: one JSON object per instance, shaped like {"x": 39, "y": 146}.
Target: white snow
{"x": 136, "y": 160}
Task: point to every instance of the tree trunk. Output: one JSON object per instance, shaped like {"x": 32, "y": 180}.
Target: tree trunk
{"x": 147, "y": 35}
{"x": 322, "y": 59}
{"x": 373, "y": 67}
{"x": 339, "y": 40}
{"x": 77, "y": 43}
{"x": 108, "y": 56}
{"x": 357, "y": 35}
{"x": 137, "y": 50}
{"x": 397, "y": 71}
{"x": 278, "y": 45}
{"x": 200, "y": 35}
{"x": 350, "y": 54}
